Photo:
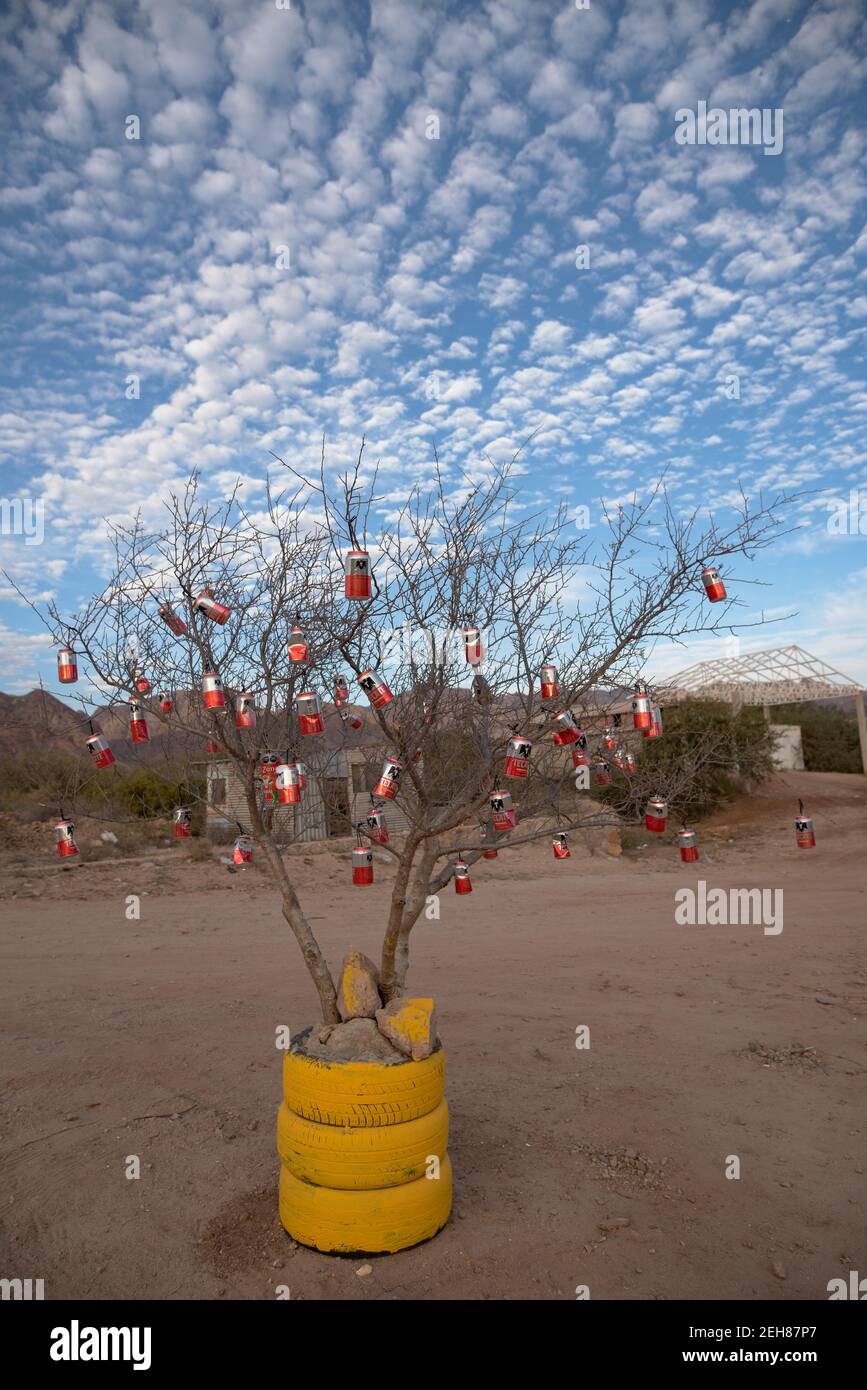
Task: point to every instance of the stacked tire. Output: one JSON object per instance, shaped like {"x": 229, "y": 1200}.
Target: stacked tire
{"x": 364, "y": 1167}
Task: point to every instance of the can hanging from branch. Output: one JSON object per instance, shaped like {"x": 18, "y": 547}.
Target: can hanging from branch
{"x": 98, "y": 747}
{"x": 349, "y": 718}
{"x": 654, "y": 729}
{"x": 67, "y": 668}
{"x": 302, "y": 774}
{"x": 656, "y": 815}
{"x": 603, "y": 774}
{"x": 341, "y": 690}
{"x": 362, "y": 865}
{"x": 268, "y": 764}
{"x": 566, "y": 730}
{"x": 609, "y": 740}
{"x": 388, "y": 785}
{"x": 619, "y": 758}
{"x": 462, "y": 877}
{"x": 297, "y": 645}
{"x": 713, "y": 585}
{"x": 629, "y": 764}
{"x": 376, "y": 825}
{"x": 212, "y": 746}
{"x": 213, "y": 694}
{"x": 579, "y": 753}
{"x": 288, "y": 784}
{"x": 375, "y": 689}
{"x": 502, "y": 811}
{"x": 206, "y": 604}
{"x": 642, "y": 708}
{"x": 560, "y": 846}
{"x": 688, "y": 844}
{"x": 550, "y": 688}
{"x": 473, "y": 645}
{"x": 138, "y": 725}
{"x": 171, "y": 619}
{"x": 804, "y": 834}
{"x": 142, "y": 684}
{"x": 242, "y": 850}
{"x": 245, "y": 711}
{"x": 357, "y": 576}
{"x": 491, "y": 851}
{"x": 166, "y": 702}
{"x": 309, "y": 712}
{"x": 182, "y": 828}
{"x": 64, "y": 833}
{"x": 518, "y": 757}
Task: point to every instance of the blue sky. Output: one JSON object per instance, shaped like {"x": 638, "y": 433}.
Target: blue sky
{"x": 433, "y": 169}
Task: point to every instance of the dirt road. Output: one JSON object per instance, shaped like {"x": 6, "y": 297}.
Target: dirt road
{"x": 603, "y": 1166}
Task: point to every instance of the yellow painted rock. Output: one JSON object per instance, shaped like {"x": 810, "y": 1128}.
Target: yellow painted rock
{"x": 411, "y": 1025}
{"x": 358, "y": 995}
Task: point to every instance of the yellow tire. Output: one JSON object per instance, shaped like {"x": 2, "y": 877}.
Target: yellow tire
{"x": 373, "y": 1222}
{"x": 346, "y": 1157}
{"x": 362, "y": 1094}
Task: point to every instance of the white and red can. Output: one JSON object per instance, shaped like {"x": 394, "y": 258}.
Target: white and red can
{"x": 166, "y": 702}
{"x": 213, "y": 694}
{"x": 357, "y": 578}
{"x": 560, "y": 846}
{"x": 309, "y": 712}
{"x": 99, "y": 750}
{"x": 566, "y": 731}
{"x": 297, "y": 645}
{"x": 619, "y": 759}
{"x": 375, "y": 689}
{"x": 138, "y": 725}
{"x": 388, "y": 785}
{"x": 642, "y": 708}
{"x": 242, "y": 850}
{"x": 502, "y": 811}
{"x": 804, "y": 834}
{"x": 142, "y": 684}
{"x": 212, "y": 746}
{"x": 302, "y": 774}
{"x": 182, "y": 827}
{"x": 550, "y": 688}
{"x": 376, "y": 825}
{"x": 490, "y": 852}
{"x": 362, "y": 865}
{"x": 609, "y": 740}
{"x": 603, "y": 774}
{"x": 462, "y": 877}
{"x": 245, "y": 711}
{"x": 688, "y": 844}
{"x": 629, "y": 764}
{"x": 713, "y": 585}
{"x": 64, "y": 833}
{"x": 579, "y": 753}
{"x": 518, "y": 757}
{"x": 656, "y": 815}
{"x": 171, "y": 619}
{"x": 351, "y": 719}
{"x": 341, "y": 690}
{"x": 654, "y": 730}
{"x": 206, "y": 604}
{"x": 67, "y": 668}
{"x": 473, "y": 645}
{"x": 288, "y": 784}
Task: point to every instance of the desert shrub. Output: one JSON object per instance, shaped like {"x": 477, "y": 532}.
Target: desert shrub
{"x": 828, "y": 736}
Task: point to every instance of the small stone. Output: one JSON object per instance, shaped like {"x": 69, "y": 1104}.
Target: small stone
{"x": 779, "y": 1269}
{"x": 614, "y": 1223}
{"x": 364, "y": 1270}
{"x": 358, "y": 995}
{"x": 410, "y": 1025}
{"x": 825, "y": 999}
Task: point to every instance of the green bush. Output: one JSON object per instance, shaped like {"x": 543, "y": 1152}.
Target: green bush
{"x": 828, "y": 736}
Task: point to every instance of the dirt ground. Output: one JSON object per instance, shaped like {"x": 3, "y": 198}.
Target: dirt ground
{"x": 603, "y": 1167}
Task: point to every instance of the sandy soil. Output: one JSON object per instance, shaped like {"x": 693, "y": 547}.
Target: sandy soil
{"x": 603, "y": 1167}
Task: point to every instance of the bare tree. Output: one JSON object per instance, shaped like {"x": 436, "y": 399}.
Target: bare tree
{"x": 454, "y": 557}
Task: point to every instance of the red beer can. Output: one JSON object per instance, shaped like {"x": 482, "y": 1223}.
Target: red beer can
{"x": 171, "y": 619}
{"x": 609, "y": 740}
{"x": 518, "y": 757}
{"x": 138, "y": 725}
{"x": 656, "y": 815}
{"x": 166, "y": 703}
{"x": 629, "y": 764}
{"x": 489, "y": 853}
{"x": 686, "y": 839}
{"x": 550, "y": 687}
{"x": 362, "y": 865}
{"x": 351, "y": 719}
{"x": 309, "y": 711}
{"x": 560, "y": 846}
{"x": 142, "y": 684}
{"x": 713, "y": 585}
{"x": 206, "y": 604}
{"x": 242, "y": 850}
{"x": 462, "y": 877}
{"x": 642, "y": 709}
{"x": 213, "y": 746}
{"x": 473, "y": 646}
{"x": 245, "y": 711}
{"x": 99, "y": 750}
{"x": 566, "y": 731}
{"x": 579, "y": 754}
{"x": 64, "y": 833}
{"x": 341, "y": 690}
{"x": 297, "y": 645}
{"x": 357, "y": 579}
{"x": 654, "y": 730}
{"x": 67, "y": 668}
{"x": 213, "y": 695}
{"x": 376, "y": 825}
{"x": 182, "y": 827}
{"x": 302, "y": 775}
{"x": 804, "y": 833}
{"x": 603, "y": 774}
{"x": 375, "y": 689}
{"x": 502, "y": 811}
{"x": 287, "y": 784}
{"x": 388, "y": 785}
